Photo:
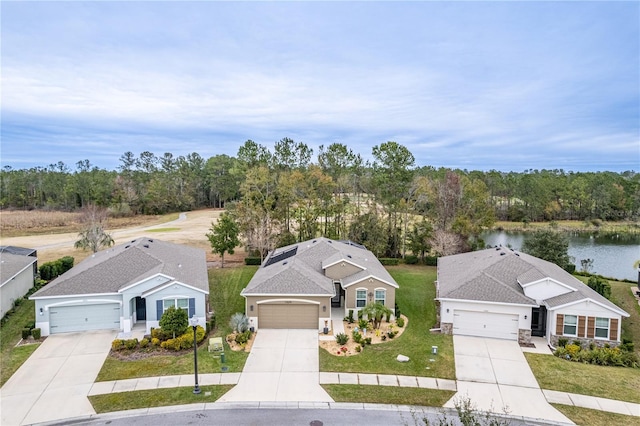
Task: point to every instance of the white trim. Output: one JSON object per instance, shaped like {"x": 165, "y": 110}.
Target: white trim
{"x": 274, "y": 301}
{"x": 620, "y": 312}
{"x": 245, "y": 295}
{"x": 20, "y": 271}
{"x": 564, "y": 324}
{"x": 374, "y": 277}
{"x": 485, "y": 302}
{"x": 169, "y": 284}
{"x": 82, "y": 302}
{"x": 350, "y": 261}
{"x": 74, "y": 295}
{"x": 355, "y": 297}
{"x": 546, "y": 279}
{"x": 144, "y": 280}
{"x": 595, "y": 329}
{"x": 380, "y": 289}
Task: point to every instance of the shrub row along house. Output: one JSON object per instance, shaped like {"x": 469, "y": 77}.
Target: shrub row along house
{"x": 299, "y": 285}
{"x": 504, "y": 294}
{"x": 124, "y": 285}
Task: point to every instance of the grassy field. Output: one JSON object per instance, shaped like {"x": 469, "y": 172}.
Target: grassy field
{"x": 587, "y": 417}
{"x": 12, "y": 357}
{"x": 155, "y": 398}
{"x": 415, "y": 299}
{"x": 570, "y": 225}
{"x": 388, "y": 395}
{"x": 224, "y": 287}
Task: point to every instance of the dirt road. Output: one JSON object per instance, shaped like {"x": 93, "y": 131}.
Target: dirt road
{"x": 190, "y": 229}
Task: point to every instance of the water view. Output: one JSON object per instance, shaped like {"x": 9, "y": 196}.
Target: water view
{"x": 613, "y": 256}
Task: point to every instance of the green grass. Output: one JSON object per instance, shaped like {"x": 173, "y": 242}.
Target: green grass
{"x": 607, "y": 382}
{"x": 388, "y": 395}
{"x": 224, "y": 287}
{"x": 162, "y": 230}
{"x": 12, "y": 357}
{"x": 621, "y": 295}
{"x": 415, "y": 299}
{"x": 155, "y": 398}
{"x": 586, "y": 417}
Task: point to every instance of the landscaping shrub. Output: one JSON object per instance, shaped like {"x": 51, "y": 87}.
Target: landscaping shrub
{"x": 431, "y": 261}
{"x": 30, "y": 325}
{"x": 400, "y": 322}
{"x": 411, "y": 260}
{"x": 367, "y": 340}
{"x": 184, "y": 341}
{"x": 50, "y": 270}
{"x": 389, "y": 261}
{"x": 570, "y": 268}
{"x": 174, "y": 321}
{"x": 356, "y": 336}
{"x": 117, "y": 345}
{"x": 396, "y": 311}
{"x": 155, "y": 341}
{"x": 363, "y": 324}
{"x": 37, "y": 333}
{"x": 562, "y": 342}
{"x": 350, "y": 317}
{"x": 358, "y": 348}
{"x": 360, "y": 315}
{"x": 26, "y": 332}
{"x": 239, "y": 322}
{"x": 144, "y": 343}
{"x": 211, "y": 323}
{"x": 600, "y": 285}
{"x": 242, "y": 338}
{"x": 131, "y": 343}
{"x": 17, "y": 302}
{"x": 252, "y": 261}
{"x": 388, "y": 317}
{"x": 627, "y": 346}
{"x": 342, "y": 338}
{"x": 599, "y": 356}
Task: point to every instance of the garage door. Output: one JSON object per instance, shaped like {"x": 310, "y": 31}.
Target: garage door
{"x": 288, "y": 316}
{"x": 485, "y": 324}
{"x": 64, "y": 319}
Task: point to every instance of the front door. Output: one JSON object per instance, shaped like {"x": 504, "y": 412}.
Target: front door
{"x": 141, "y": 309}
{"x": 337, "y": 299}
{"x": 539, "y": 321}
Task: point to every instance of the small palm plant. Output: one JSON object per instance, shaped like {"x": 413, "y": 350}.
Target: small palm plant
{"x": 239, "y": 322}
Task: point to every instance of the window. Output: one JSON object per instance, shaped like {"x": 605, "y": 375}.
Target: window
{"x": 570, "y": 325}
{"x": 361, "y": 298}
{"x": 380, "y": 296}
{"x": 602, "y": 328}
{"x": 178, "y": 303}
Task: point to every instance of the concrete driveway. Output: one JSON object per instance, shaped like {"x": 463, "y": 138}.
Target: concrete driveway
{"x": 54, "y": 382}
{"x": 495, "y": 376}
{"x": 282, "y": 366}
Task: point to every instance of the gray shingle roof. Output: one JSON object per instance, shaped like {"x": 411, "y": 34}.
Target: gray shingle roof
{"x": 304, "y": 272}
{"x": 498, "y": 275}
{"x": 12, "y": 264}
{"x": 110, "y": 270}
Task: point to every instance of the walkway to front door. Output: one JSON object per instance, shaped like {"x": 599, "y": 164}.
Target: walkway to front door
{"x": 282, "y": 366}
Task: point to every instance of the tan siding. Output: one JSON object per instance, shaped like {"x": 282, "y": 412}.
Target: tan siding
{"x": 581, "y": 326}
{"x": 350, "y": 293}
{"x": 559, "y": 325}
{"x": 341, "y": 270}
{"x": 613, "y": 333}
{"x": 591, "y": 327}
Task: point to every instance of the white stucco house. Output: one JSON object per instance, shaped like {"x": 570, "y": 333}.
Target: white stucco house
{"x": 124, "y": 285}
{"x": 298, "y": 286}
{"x": 18, "y": 269}
{"x": 505, "y": 294}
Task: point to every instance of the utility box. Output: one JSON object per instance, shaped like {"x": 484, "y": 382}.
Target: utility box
{"x": 434, "y": 350}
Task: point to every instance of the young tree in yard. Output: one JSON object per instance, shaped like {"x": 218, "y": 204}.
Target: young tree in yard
{"x": 224, "y": 236}
{"x": 93, "y": 236}
{"x": 175, "y": 321}
{"x": 548, "y": 245}
{"x": 376, "y": 311}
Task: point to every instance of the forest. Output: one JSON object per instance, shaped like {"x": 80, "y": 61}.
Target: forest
{"x": 288, "y": 194}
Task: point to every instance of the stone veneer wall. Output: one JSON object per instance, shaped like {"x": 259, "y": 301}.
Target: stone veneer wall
{"x": 446, "y": 328}
{"x": 524, "y": 336}
{"x": 585, "y": 342}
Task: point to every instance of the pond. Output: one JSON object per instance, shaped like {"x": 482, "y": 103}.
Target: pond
{"x": 613, "y": 255}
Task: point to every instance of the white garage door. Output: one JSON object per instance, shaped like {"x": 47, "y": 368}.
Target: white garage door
{"x": 486, "y": 324}
{"x": 64, "y": 319}
{"x": 288, "y": 316}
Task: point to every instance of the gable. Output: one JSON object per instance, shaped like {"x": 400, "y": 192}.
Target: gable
{"x": 545, "y": 288}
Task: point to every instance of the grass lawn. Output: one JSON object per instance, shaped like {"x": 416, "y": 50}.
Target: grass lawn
{"x": 415, "y": 299}
{"x": 621, "y": 295}
{"x": 607, "y": 382}
{"x": 12, "y": 357}
{"x": 388, "y": 395}
{"x": 587, "y": 417}
{"x": 225, "y": 299}
{"x": 155, "y": 398}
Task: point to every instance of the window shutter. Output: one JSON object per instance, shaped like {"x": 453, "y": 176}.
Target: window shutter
{"x": 591, "y": 327}
{"x": 559, "y": 325}
{"x": 613, "y": 329}
{"x": 159, "y": 309}
{"x": 192, "y": 306}
{"x": 581, "y": 326}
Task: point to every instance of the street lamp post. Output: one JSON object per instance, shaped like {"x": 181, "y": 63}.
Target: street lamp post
{"x": 193, "y": 321}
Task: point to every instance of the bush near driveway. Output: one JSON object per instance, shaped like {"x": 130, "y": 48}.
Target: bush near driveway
{"x": 415, "y": 299}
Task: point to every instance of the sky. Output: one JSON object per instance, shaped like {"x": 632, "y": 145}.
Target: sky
{"x": 476, "y": 85}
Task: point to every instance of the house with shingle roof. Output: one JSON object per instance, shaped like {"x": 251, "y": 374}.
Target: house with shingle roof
{"x": 299, "y": 285}
{"x": 18, "y": 269}
{"x": 505, "y": 294}
{"x": 125, "y": 285}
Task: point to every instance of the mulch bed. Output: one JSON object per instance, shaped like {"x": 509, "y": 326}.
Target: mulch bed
{"x": 334, "y": 348}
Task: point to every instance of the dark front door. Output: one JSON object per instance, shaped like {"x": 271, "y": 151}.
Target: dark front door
{"x": 337, "y": 299}
{"x": 539, "y": 321}
{"x": 141, "y": 309}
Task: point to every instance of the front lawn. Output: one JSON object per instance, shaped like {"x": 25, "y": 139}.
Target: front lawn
{"x": 586, "y": 417}
{"x": 415, "y": 299}
{"x": 621, "y": 295}
{"x": 388, "y": 395}
{"x": 13, "y": 357}
{"x": 567, "y": 376}
{"x": 224, "y": 295}
{"x": 155, "y": 398}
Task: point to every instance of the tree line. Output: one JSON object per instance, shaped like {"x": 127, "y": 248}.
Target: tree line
{"x": 287, "y": 194}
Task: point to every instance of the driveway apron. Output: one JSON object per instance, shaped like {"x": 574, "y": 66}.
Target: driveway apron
{"x": 54, "y": 382}
{"x": 283, "y": 366}
{"x": 496, "y": 377}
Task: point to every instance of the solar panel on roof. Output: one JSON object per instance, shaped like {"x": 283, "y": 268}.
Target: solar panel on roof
{"x": 281, "y": 256}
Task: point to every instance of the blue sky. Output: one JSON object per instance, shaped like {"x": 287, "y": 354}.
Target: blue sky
{"x": 476, "y": 85}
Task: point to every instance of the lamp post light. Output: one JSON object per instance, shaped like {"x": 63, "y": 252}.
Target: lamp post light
{"x": 193, "y": 322}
